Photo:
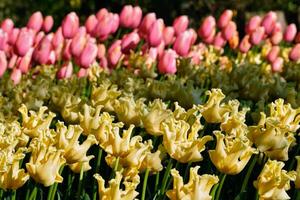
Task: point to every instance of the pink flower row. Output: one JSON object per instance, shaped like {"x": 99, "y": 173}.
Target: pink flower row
{"x": 22, "y": 48}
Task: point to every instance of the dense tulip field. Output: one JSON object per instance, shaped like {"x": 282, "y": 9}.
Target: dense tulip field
{"x": 123, "y": 106}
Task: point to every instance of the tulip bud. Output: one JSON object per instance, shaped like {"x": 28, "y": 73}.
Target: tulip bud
{"x": 234, "y": 40}
{"x": 91, "y": 23}
{"x": 52, "y": 58}
{"x": 210, "y": 39}
{"x": 114, "y": 53}
{"x": 273, "y": 54}
{"x": 7, "y": 25}
{"x": 3, "y": 63}
{"x": 24, "y": 62}
{"x": 257, "y": 36}
{"x": 219, "y": 41}
{"x": 104, "y": 27}
{"x": 146, "y": 24}
{"x": 193, "y": 35}
{"x": 24, "y": 41}
{"x": 48, "y": 23}
{"x": 65, "y": 71}
{"x": 12, "y": 62}
{"x": 103, "y": 62}
{"x": 130, "y": 41}
{"x": 269, "y": 21}
{"x": 155, "y": 34}
{"x": 12, "y": 37}
{"x": 58, "y": 38}
{"x": 182, "y": 43}
{"x": 290, "y": 33}
{"x": 168, "y": 35}
{"x": 67, "y": 50}
{"x": 78, "y": 42}
{"x": 276, "y": 37}
{"x": 101, "y": 51}
{"x": 167, "y": 62}
{"x": 277, "y": 64}
{"x": 3, "y": 39}
{"x": 42, "y": 52}
{"x": 126, "y": 16}
{"x": 35, "y": 21}
{"x": 294, "y": 54}
{"x": 101, "y": 13}
{"x": 253, "y": 24}
{"x": 16, "y": 76}
{"x": 70, "y": 25}
{"x": 207, "y": 27}
{"x": 136, "y": 16}
{"x": 180, "y": 24}
{"x": 229, "y": 30}
{"x": 88, "y": 54}
{"x": 225, "y": 18}
{"x": 115, "y": 24}
{"x": 82, "y": 73}
{"x": 245, "y": 44}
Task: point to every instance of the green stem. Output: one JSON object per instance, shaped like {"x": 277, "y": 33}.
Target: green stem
{"x": 166, "y": 176}
{"x": 13, "y": 197}
{"x": 1, "y": 193}
{"x": 246, "y": 180}
{"x": 33, "y": 193}
{"x": 69, "y": 185}
{"x": 145, "y": 184}
{"x": 53, "y": 187}
{"x": 294, "y": 160}
{"x": 96, "y": 171}
{"x": 220, "y": 186}
{"x": 113, "y": 173}
{"x": 156, "y": 182}
{"x": 80, "y": 182}
{"x": 186, "y": 171}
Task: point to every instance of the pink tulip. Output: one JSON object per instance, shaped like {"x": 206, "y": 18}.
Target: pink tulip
{"x": 24, "y": 41}
{"x": 12, "y": 62}
{"x": 70, "y": 25}
{"x": 67, "y": 50}
{"x": 168, "y": 35}
{"x": 104, "y": 27}
{"x": 24, "y": 62}
{"x": 103, "y": 62}
{"x": 245, "y": 44}
{"x": 7, "y": 25}
{"x": 225, "y": 18}
{"x": 35, "y": 21}
{"x": 51, "y": 58}
{"x": 114, "y": 53}
{"x": 82, "y": 73}
{"x": 3, "y": 63}
{"x": 151, "y": 57}
{"x": 78, "y": 42}
{"x": 136, "y": 16}
{"x": 39, "y": 36}
{"x": 167, "y": 62}
{"x": 290, "y": 33}
{"x": 115, "y": 23}
{"x": 219, "y": 41}
{"x": 180, "y": 24}
{"x": 257, "y": 36}
{"x": 91, "y": 23}
{"x": 273, "y": 54}
{"x": 193, "y": 35}
{"x": 229, "y": 30}
{"x": 101, "y": 51}
{"x": 58, "y": 38}
{"x": 277, "y": 64}
{"x": 16, "y": 76}
{"x": 130, "y": 41}
{"x": 294, "y": 54}
{"x": 269, "y": 21}
{"x": 253, "y": 24}
{"x": 155, "y": 34}
{"x": 146, "y": 24}
{"x": 65, "y": 71}
{"x": 42, "y": 51}
{"x": 88, "y": 54}
{"x": 101, "y": 13}
{"x": 126, "y": 16}
{"x": 160, "y": 48}
{"x": 182, "y": 43}
{"x": 276, "y": 37}
{"x": 207, "y": 27}
{"x": 210, "y": 38}
{"x": 3, "y": 39}
{"x": 48, "y": 23}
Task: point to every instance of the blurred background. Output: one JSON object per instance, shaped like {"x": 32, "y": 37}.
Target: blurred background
{"x": 20, "y": 10}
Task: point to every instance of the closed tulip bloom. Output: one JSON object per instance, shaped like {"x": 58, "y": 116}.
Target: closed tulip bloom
{"x": 101, "y": 51}
{"x": 193, "y": 35}
{"x": 3, "y": 39}
{"x": 24, "y": 41}
{"x": 65, "y": 71}
{"x": 229, "y": 30}
{"x": 24, "y": 62}
{"x": 130, "y": 41}
{"x": 180, "y": 24}
{"x": 257, "y": 36}
{"x": 103, "y": 62}
{"x": 58, "y": 38}
{"x": 253, "y": 24}
{"x": 114, "y": 53}
{"x": 207, "y": 27}
{"x": 3, "y": 63}
{"x": 48, "y": 23}
{"x": 219, "y": 41}
{"x": 91, "y": 23}
{"x": 42, "y": 52}
{"x": 88, "y": 54}
{"x": 115, "y": 24}
{"x": 277, "y": 64}
{"x": 35, "y": 21}
{"x": 16, "y": 76}
{"x": 126, "y": 16}
{"x": 67, "y": 50}
{"x": 294, "y": 54}
{"x": 234, "y": 40}
{"x": 104, "y": 27}
{"x": 136, "y": 16}
{"x": 78, "y": 42}
{"x": 225, "y": 18}
{"x": 7, "y": 25}
{"x": 273, "y": 54}
{"x": 168, "y": 35}
{"x": 211, "y": 37}
{"x": 167, "y": 62}
{"x": 146, "y": 24}
{"x": 290, "y": 33}
{"x": 269, "y": 21}
{"x": 39, "y": 36}
{"x": 12, "y": 61}
{"x": 101, "y": 13}
{"x": 52, "y": 58}
{"x": 182, "y": 43}
{"x": 155, "y": 34}
{"x": 70, "y": 25}
{"x": 82, "y": 73}
{"x": 276, "y": 37}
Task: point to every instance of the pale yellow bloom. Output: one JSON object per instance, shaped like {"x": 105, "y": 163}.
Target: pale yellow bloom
{"x": 273, "y": 182}
{"x": 231, "y": 154}
{"x": 114, "y": 192}
{"x": 297, "y": 181}
{"x": 198, "y": 187}
{"x": 81, "y": 165}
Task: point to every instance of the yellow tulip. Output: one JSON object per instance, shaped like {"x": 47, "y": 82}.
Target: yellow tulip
{"x": 273, "y": 182}
{"x": 198, "y": 187}
{"x": 81, "y": 165}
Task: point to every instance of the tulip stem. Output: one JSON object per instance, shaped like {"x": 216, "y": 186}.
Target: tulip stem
{"x": 80, "y": 181}
{"x": 33, "y": 193}
{"x": 145, "y": 184}
{"x": 249, "y": 171}
{"x": 186, "y": 171}
{"x": 96, "y": 171}
{"x": 166, "y": 176}
{"x": 53, "y": 187}
{"x": 223, "y": 177}
{"x": 1, "y": 193}
{"x": 13, "y": 197}
{"x": 156, "y": 181}
{"x": 113, "y": 173}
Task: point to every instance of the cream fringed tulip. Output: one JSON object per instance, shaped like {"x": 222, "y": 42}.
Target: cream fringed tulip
{"x": 231, "y": 154}
{"x": 182, "y": 143}
{"x": 297, "y": 181}
{"x": 271, "y": 139}
{"x": 128, "y": 110}
{"x": 114, "y": 192}
{"x": 67, "y": 140}
{"x": 198, "y": 187}
{"x": 154, "y": 115}
{"x": 79, "y": 166}
{"x": 213, "y": 110}
{"x": 273, "y": 182}
{"x": 105, "y": 95}
{"x": 35, "y": 123}
{"x": 44, "y": 163}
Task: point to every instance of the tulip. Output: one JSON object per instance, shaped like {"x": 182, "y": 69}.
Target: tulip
{"x": 207, "y": 27}
{"x": 294, "y": 54}
{"x": 101, "y": 13}
{"x": 48, "y": 23}
{"x": 115, "y": 24}
{"x": 136, "y": 16}
{"x": 277, "y": 64}
{"x": 38, "y": 38}
{"x": 52, "y": 58}
{"x": 155, "y": 34}
{"x": 180, "y": 24}
{"x": 130, "y": 41}
{"x": 126, "y": 16}
{"x": 229, "y": 30}
{"x": 193, "y": 35}
{"x": 101, "y": 51}
{"x": 257, "y": 36}
{"x": 16, "y": 76}
{"x": 104, "y": 27}
{"x": 3, "y": 39}
{"x": 253, "y": 24}
{"x": 290, "y": 33}
{"x": 42, "y": 52}
{"x": 225, "y": 18}
{"x": 35, "y": 21}
{"x": 146, "y": 24}
{"x": 12, "y": 62}
{"x": 210, "y": 39}
{"x": 78, "y": 42}
{"x": 24, "y": 62}
{"x": 3, "y": 63}
{"x": 24, "y": 41}
{"x": 114, "y": 53}
{"x": 65, "y": 71}
{"x": 269, "y": 21}
{"x": 183, "y": 43}
{"x": 82, "y": 73}
{"x": 58, "y": 38}
{"x": 219, "y": 41}
{"x": 7, "y": 25}
{"x": 234, "y": 40}
{"x": 67, "y": 50}
{"x": 88, "y": 54}
{"x": 276, "y": 37}
{"x": 91, "y": 23}
{"x": 168, "y": 35}
{"x": 70, "y": 25}
{"x": 273, "y": 54}
{"x": 167, "y": 62}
